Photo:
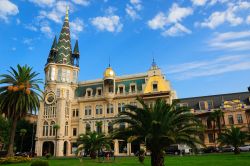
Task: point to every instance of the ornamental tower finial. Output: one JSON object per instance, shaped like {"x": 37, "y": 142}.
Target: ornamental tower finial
{"x": 67, "y": 13}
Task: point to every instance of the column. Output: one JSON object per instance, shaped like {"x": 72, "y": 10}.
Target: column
{"x": 38, "y": 148}
{"x": 116, "y": 147}
{"x": 129, "y": 149}
{"x": 59, "y": 149}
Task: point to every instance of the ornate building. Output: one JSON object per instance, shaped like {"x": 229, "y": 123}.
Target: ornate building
{"x": 77, "y": 107}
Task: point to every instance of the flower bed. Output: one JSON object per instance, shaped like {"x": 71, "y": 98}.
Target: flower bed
{"x": 16, "y": 159}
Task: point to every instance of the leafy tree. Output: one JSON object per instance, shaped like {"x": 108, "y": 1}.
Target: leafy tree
{"x": 19, "y": 94}
{"x": 56, "y": 127}
{"x": 4, "y": 131}
{"x": 234, "y": 137}
{"x": 98, "y": 127}
{"x": 22, "y": 134}
{"x": 159, "y": 127}
{"x": 93, "y": 142}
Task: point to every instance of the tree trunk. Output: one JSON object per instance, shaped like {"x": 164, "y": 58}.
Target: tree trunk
{"x": 12, "y": 138}
{"x": 157, "y": 159}
{"x": 21, "y": 149}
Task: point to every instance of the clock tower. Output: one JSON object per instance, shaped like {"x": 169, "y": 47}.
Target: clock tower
{"x": 61, "y": 78}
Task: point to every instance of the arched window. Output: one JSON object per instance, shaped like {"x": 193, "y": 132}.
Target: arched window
{"x": 110, "y": 108}
{"x": 45, "y": 128}
{"x": 52, "y": 131}
{"x": 110, "y": 127}
{"x": 66, "y": 128}
{"x": 87, "y": 127}
{"x": 98, "y": 109}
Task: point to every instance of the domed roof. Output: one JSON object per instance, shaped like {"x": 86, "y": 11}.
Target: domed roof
{"x": 109, "y": 72}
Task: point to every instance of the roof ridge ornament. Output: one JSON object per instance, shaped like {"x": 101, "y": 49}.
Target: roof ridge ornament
{"x": 67, "y": 13}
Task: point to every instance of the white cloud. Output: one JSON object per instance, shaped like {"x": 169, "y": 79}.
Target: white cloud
{"x": 46, "y": 30}
{"x": 7, "y": 8}
{"x": 27, "y": 41}
{"x": 43, "y": 3}
{"x": 18, "y": 21}
{"x": 30, "y": 27}
{"x": 13, "y": 48}
{"x": 170, "y": 23}
{"x": 107, "y": 23}
{"x": 199, "y": 2}
{"x": 81, "y": 2}
{"x": 248, "y": 19}
{"x": 110, "y": 10}
{"x": 229, "y": 15}
{"x": 76, "y": 26}
{"x": 176, "y": 30}
{"x": 213, "y": 2}
{"x": 216, "y": 66}
{"x": 133, "y": 8}
{"x": 30, "y": 48}
{"x": 230, "y": 41}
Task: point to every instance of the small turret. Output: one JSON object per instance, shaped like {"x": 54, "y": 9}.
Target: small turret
{"x": 53, "y": 52}
{"x": 76, "y": 54}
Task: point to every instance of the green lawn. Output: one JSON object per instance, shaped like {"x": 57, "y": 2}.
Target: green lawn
{"x": 199, "y": 160}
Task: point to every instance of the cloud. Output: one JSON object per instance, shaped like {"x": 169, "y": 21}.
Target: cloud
{"x": 170, "y": 23}
{"x": 176, "y": 30}
{"x": 199, "y": 2}
{"x": 107, "y": 23}
{"x": 229, "y": 15}
{"x": 7, "y": 9}
{"x": 43, "y": 3}
{"x": 45, "y": 29}
{"x": 81, "y": 2}
{"x": 133, "y": 8}
{"x": 76, "y": 26}
{"x": 18, "y": 21}
{"x": 30, "y": 27}
{"x": 27, "y": 41}
{"x": 221, "y": 65}
{"x": 230, "y": 41}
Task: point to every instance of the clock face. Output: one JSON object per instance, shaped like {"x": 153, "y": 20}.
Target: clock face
{"x": 50, "y": 98}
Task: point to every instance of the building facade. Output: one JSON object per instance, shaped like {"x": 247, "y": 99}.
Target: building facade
{"x": 77, "y": 107}
{"x": 235, "y": 108}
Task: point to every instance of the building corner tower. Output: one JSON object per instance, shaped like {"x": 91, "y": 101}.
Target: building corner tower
{"x": 61, "y": 80}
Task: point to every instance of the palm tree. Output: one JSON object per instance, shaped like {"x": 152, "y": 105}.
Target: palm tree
{"x": 56, "y": 127}
{"x": 22, "y": 134}
{"x": 98, "y": 127}
{"x": 219, "y": 115}
{"x": 234, "y": 137}
{"x": 93, "y": 142}
{"x": 159, "y": 127}
{"x": 212, "y": 119}
{"x": 19, "y": 95}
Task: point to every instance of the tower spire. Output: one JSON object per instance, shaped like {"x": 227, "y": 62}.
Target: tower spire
{"x": 64, "y": 43}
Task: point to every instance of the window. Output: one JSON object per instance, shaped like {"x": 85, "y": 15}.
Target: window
{"x": 74, "y": 131}
{"x": 110, "y": 109}
{"x": 45, "y": 128}
{"x": 155, "y": 87}
{"x": 77, "y": 112}
{"x": 67, "y": 110}
{"x": 239, "y": 118}
{"x": 210, "y": 138}
{"x": 88, "y": 110}
{"x": 66, "y": 129}
{"x": 52, "y": 129}
{"x": 52, "y": 74}
{"x": 110, "y": 127}
{"x": 206, "y": 105}
{"x": 87, "y": 127}
{"x": 209, "y": 124}
{"x": 98, "y": 109}
{"x": 121, "y": 90}
{"x": 67, "y": 93}
{"x": 73, "y": 113}
{"x": 64, "y": 75}
{"x": 59, "y": 74}
{"x": 133, "y": 103}
{"x": 99, "y": 92}
{"x": 132, "y": 87}
{"x": 89, "y": 93}
{"x": 49, "y": 110}
{"x": 121, "y": 107}
{"x": 230, "y": 119}
{"x": 99, "y": 127}
{"x": 122, "y": 126}
{"x": 58, "y": 93}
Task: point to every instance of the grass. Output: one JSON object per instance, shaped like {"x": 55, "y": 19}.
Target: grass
{"x": 227, "y": 159}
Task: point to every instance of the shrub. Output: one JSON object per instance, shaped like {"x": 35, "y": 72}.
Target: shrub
{"x": 39, "y": 163}
{"x": 48, "y": 155}
{"x": 16, "y": 159}
{"x": 141, "y": 156}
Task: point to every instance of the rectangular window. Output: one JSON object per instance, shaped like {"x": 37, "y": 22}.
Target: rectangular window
{"x": 64, "y": 75}
{"x": 206, "y": 105}
{"x": 121, "y": 90}
{"x": 77, "y": 112}
{"x": 210, "y": 138}
{"x": 99, "y": 92}
{"x": 52, "y": 75}
{"x": 74, "y": 113}
{"x": 74, "y": 131}
{"x": 230, "y": 119}
{"x": 239, "y": 119}
{"x": 88, "y": 93}
{"x": 133, "y": 88}
{"x": 58, "y": 93}
{"x": 155, "y": 87}
{"x": 59, "y": 75}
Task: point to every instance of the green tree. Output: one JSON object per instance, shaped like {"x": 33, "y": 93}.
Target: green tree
{"x": 22, "y": 134}
{"x": 56, "y": 128}
{"x": 98, "y": 127}
{"x": 19, "y": 95}
{"x": 159, "y": 127}
{"x": 4, "y": 131}
{"x": 93, "y": 142}
{"x": 234, "y": 137}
